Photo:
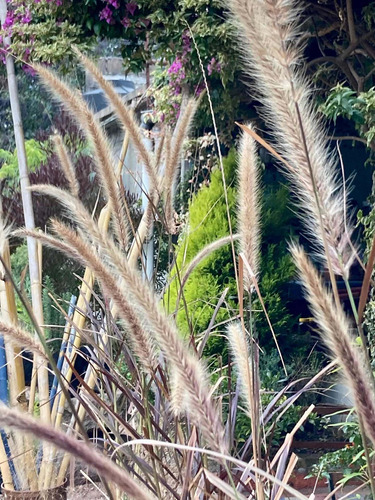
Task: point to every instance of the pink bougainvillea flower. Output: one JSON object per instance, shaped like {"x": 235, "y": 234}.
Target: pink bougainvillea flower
{"x": 125, "y": 22}
{"x": 131, "y": 7}
{"x": 114, "y": 3}
{"x": 26, "y": 18}
{"x": 213, "y": 65}
{"x": 106, "y": 14}
{"x": 175, "y": 67}
{"x": 9, "y": 20}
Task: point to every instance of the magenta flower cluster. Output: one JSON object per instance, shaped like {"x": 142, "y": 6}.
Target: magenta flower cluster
{"x": 18, "y": 14}
{"x": 107, "y": 13}
{"x": 213, "y": 66}
{"x": 176, "y": 71}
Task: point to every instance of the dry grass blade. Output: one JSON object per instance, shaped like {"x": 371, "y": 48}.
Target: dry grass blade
{"x": 366, "y": 283}
{"x": 223, "y": 486}
{"x": 223, "y": 458}
{"x": 248, "y": 205}
{"x": 289, "y": 470}
{"x": 66, "y": 164}
{"x": 201, "y": 255}
{"x": 126, "y": 117}
{"x": 335, "y": 328}
{"x": 264, "y": 143}
{"x": 105, "y": 467}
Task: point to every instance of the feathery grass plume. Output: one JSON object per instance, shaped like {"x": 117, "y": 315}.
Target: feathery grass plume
{"x": 248, "y": 205}
{"x": 83, "y": 253}
{"x": 159, "y": 150}
{"x": 189, "y": 370}
{"x": 21, "y": 338}
{"x": 173, "y": 159}
{"x": 335, "y": 331}
{"x": 104, "y": 466}
{"x": 135, "y": 299}
{"x": 73, "y": 101}
{"x": 268, "y": 30}
{"x": 66, "y": 164}
{"x": 240, "y": 350}
{"x": 76, "y": 210}
{"x": 126, "y": 116}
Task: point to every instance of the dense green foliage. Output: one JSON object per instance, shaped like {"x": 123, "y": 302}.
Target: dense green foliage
{"x": 36, "y": 155}
{"x": 207, "y": 221}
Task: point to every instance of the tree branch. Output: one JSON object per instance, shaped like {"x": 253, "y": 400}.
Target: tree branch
{"x": 351, "y": 24}
{"x": 347, "y": 138}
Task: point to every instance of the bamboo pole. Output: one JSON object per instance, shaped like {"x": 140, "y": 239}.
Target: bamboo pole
{"x": 24, "y": 463}
{"x": 34, "y": 272}
{"x": 5, "y": 469}
{"x": 64, "y": 345}
{"x": 79, "y": 319}
{"x": 133, "y": 256}
{"x": 16, "y": 375}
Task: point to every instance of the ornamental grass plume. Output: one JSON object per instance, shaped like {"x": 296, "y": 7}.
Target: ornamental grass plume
{"x": 240, "y": 349}
{"x": 74, "y": 103}
{"x": 19, "y": 337}
{"x": 120, "y": 282}
{"x": 66, "y": 164}
{"x": 248, "y": 206}
{"x": 335, "y": 329}
{"x": 269, "y": 42}
{"x": 173, "y": 159}
{"x": 126, "y": 117}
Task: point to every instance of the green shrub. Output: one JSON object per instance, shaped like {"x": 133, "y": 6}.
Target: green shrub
{"x": 207, "y": 222}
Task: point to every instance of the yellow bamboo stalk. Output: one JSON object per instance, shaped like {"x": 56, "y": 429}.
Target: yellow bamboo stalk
{"x": 133, "y": 256}
{"x": 24, "y": 463}
{"x": 16, "y": 376}
{"x": 33, "y": 381}
{"x": 79, "y": 319}
{"x": 5, "y": 469}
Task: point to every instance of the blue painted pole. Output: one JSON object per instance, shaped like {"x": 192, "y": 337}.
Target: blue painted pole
{"x": 63, "y": 348}
{"x": 4, "y": 399}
